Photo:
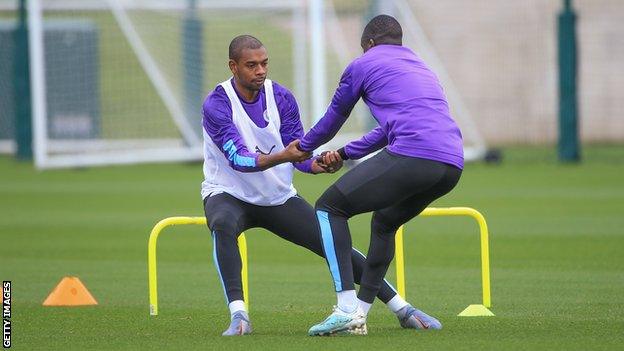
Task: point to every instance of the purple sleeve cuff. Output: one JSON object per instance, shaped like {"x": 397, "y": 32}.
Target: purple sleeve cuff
{"x": 305, "y": 166}
{"x": 371, "y": 142}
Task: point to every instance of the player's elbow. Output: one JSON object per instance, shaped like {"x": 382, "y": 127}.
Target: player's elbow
{"x": 242, "y": 163}
{"x": 245, "y": 169}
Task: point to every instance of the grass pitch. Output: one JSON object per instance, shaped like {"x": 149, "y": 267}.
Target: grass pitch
{"x": 557, "y": 258}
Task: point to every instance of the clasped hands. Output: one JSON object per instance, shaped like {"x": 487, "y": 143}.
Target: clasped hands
{"x": 326, "y": 162}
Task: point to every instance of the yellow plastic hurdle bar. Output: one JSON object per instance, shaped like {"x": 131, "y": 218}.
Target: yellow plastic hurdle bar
{"x": 151, "y": 257}
{"x": 472, "y": 310}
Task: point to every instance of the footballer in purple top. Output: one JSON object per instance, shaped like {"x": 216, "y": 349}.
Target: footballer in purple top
{"x": 422, "y": 160}
{"x": 407, "y": 101}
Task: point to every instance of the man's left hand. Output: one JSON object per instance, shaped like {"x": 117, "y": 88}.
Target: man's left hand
{"x": 327, "y": 162}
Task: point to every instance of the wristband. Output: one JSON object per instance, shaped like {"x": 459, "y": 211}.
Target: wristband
{"x": 343, "y": 154}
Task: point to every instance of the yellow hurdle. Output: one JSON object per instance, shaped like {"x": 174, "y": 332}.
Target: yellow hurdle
{"x": 472, "y": 310}
{"x": 151, "y": 257}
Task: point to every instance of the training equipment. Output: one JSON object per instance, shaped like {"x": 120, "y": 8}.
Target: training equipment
{"x": 480, "y": 310}
{"x": 70, "y": 292}
{"x": 470, "y": 311}
{"x": 476, "y": 311}
{"x": 151, "y": 257}
{"x": 239, "y": 325}
{"x": 417, "y": 319}
{"x": 341, "y": 322}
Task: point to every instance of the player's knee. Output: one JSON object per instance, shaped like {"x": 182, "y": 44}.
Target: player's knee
{"x": 383, "y": 226}
{"x": 223, "y": 224}
{"x": 381, "y": 262}
{"x": 325, "y": 201}
{"x": 333, "y": 201}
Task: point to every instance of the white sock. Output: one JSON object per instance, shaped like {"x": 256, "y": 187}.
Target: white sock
{"x": 237, "y": 305}
{"x": 365, "y": 306}
{"x": 396, "y": 303}
{"x": 347, "y": 300}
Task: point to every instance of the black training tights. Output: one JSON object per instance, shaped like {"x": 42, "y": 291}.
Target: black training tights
{"x": 397, "y": 188}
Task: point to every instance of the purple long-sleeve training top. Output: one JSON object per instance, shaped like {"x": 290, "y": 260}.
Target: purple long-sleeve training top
{"x": 218, "y": 124}
{"x": 406, "y": 99}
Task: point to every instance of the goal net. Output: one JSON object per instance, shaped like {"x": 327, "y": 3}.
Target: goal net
{"x": 119, "y": 81}
{"x": 122, "y": 81}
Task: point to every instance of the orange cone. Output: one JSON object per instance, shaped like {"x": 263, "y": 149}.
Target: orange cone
{"x": 70, "y": 292}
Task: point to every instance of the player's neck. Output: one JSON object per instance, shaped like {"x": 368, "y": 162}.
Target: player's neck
{"x": 247, "y": 94}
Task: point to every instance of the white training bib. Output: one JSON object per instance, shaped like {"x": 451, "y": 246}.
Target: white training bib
{"x": 266, "y": 188}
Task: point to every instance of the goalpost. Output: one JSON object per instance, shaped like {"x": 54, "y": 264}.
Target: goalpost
{"x": 122, "y": 81}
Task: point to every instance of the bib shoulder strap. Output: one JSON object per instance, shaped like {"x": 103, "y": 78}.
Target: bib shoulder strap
{"x": 272, "y": 110}
{"x": 229, "y": 90}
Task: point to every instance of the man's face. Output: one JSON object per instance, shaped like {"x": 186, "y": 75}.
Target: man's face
{"x": 251, "y": 69}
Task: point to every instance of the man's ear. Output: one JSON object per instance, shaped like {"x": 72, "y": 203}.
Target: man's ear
{"x": 233, "y": 66}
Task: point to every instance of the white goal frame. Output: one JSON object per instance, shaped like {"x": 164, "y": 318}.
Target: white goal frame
{"x": 165, "y": 150}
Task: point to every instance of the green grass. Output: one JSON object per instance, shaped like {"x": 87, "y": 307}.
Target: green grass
{"x": 557, "y": 256}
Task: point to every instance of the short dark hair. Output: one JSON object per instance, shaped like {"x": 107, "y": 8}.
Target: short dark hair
{"x": 383, "y": 29}
{"x": 242, "y": 42}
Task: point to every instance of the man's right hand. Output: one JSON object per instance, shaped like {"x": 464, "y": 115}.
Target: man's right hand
{"x": 292, "y": 153}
